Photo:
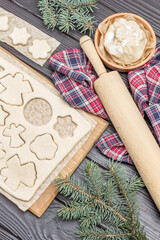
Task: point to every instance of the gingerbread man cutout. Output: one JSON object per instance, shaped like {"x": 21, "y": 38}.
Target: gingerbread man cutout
{"x": 14, "y": 132}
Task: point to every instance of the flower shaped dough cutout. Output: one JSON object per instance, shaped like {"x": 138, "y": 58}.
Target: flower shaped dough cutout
{"x": 20, "y": 36}
{"x": 17, "y": 173}
{"x": 65, "y": 126}
{"x": 39, "y": 49}
{"x": 44, "y": 147}
{"x": 4, "y": 23}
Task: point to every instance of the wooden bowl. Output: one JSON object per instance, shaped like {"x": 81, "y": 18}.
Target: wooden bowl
{"x": 116, "y": 66}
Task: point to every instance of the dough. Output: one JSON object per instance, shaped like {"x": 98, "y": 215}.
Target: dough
{"x": 31, "y": 145}
{"x": 39, "y": 49}
{"x": 4, "y": 23}
{"x": 125, "y": 41}
{"x": 20, "y": 36}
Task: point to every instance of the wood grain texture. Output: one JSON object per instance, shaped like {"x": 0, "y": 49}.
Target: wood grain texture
{"x": 25, "y": 226}
{"x": 39, "y": 207}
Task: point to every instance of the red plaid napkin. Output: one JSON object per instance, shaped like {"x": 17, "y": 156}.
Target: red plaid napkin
{"x": 74, "y": 77}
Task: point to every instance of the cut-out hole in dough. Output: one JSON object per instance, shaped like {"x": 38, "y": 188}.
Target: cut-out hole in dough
{"x": 17, "y": 173}
{"x": 65, "y": 126}
{"x": 44, "y": 147}
{"x": 14, "y": 132}
{"x": 3, "y": 116}
{"x": 13, "y": 88}
{"x": 2, "y": 152}
{"x": 37, "y": 112}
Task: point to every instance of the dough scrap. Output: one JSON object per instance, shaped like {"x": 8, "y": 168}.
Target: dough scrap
{"x": 65, "y": 126}
{"x": 20, "y": 36}
{"x": 44, "y": 147}
{"x": 14, "y": 132}
{"x": 3, "y": 116}
{"x": 20, "y": 86}
{"x": 4, "y": 23}
{"x": 17, "y": 173}
{"x": 39, "y": 49}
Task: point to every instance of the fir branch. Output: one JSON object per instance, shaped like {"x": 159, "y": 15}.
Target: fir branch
{"x": 66, "y": 15}
{"x": 104, "y": 203}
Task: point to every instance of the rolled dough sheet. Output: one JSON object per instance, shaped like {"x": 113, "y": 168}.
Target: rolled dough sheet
{"x": 23, "y": 37}
{"x": 24, "y": 205}
{"x": 23, "y": 141}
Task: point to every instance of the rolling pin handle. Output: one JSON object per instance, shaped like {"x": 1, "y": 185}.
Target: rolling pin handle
{"x": 90, "y": 51}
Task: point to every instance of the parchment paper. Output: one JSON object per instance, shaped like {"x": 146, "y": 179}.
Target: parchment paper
{"x": 35, "y": 33}
{"x": 26, "y": 205}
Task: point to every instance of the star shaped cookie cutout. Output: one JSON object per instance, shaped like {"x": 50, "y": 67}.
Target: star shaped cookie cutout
{"x": 20, "y": 36}
{"x": 39, "y": 49}
{"x": 3, "y": 116}
{"x": 4, "y": 23}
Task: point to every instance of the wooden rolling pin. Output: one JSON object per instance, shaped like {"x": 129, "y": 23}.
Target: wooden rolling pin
{"x": 128, "y": 121}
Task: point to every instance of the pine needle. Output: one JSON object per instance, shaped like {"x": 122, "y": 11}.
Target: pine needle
{"x": 68, "y": 15}
{"x": 105, "y": 203}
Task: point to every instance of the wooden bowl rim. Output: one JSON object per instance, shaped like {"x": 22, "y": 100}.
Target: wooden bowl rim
{"x": 115, "y": 66}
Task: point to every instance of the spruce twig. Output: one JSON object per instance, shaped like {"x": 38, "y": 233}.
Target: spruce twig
{"x": 104, "y": 203}
{"x": 66, "y": 14}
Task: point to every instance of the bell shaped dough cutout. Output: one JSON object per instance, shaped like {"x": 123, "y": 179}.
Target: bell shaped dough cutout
{"x": 14, "y": 132}
{"x": 2, "y": 152}
{"x": 17, "y": 173}
{"x": 3, "y": 115}
{"x": 4, "y": 23}
{"x": 20, "y": 86}
{"x": 65, "y": 126}
{"x": 44, "y": 147}
{"x": 20, "y": 36}
{"x": 39, "y": 49}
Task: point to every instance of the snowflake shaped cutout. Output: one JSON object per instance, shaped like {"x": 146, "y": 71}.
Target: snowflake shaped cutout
{"x": 65, "y": 126}
{"x": 39, "y": 49}
{"x": 17, "y": 173}
{"x": 4, "y": 23}
{"x": 20, "y": 36}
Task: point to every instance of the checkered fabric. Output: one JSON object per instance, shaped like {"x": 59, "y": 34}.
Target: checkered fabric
{"x": 74, "y": 78}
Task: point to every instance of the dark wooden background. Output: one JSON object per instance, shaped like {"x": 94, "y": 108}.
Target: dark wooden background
{"x": 14, "y": 224}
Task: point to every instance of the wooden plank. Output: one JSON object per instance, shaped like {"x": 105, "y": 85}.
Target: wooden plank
{"x": 49, "y": 226}
{"x": 39, "y": 207}
{"x": 145, "y": 10}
